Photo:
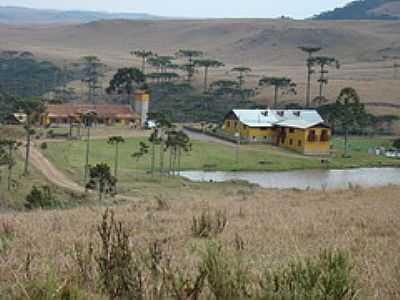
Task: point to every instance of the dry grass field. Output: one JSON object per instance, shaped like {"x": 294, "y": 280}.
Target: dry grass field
{"x": 274, "y": 226}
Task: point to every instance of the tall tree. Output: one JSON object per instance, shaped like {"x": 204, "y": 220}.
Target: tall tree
{"x": 89, "y": 118}
{"x": 32, "y": 107}
{"x": 283, "y": 84}
{"x": 142, "y": 151}
{"x": 154, "y": 139}
{"x": 144, "y": 55}
{"x": 189, "y": 67}
{"x": 9, "y": 148}
{"x": 93, "y": 70}
{"x": 125, "y": 81}
{"x": 163, "y": 66}
{"x": 115, "y": 141}
{"x": 101, "y": 180}
{"x": 310, "y": 70}
{"x": 177, "y": 142}
{"x": 243, "y": 71}
{"x": 163, "y": 125}
{"x": 323, "y": 62}
{"x": 207, "y": 64}
{"x": 350, "y": 112}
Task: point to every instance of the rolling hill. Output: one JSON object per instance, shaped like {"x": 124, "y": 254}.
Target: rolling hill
{"x": 270, "y": 47}
{"x": 364, "y": 10}
{"x": 22, "y": 15}
{"x": 250, "y": 42}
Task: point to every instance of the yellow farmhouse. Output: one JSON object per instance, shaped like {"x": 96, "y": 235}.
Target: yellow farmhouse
{"x": 301, "y": 130}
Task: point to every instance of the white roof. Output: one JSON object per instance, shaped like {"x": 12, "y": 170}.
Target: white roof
{"x": 278, "y": 117}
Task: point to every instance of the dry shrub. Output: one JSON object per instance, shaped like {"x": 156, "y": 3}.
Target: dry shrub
{"x": 7, "y": 235}
{"x": 208, "y": 225}
{"x": 328, "y": 276}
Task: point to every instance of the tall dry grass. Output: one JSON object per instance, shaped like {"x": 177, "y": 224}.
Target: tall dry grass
{"x": 270, "y": 227}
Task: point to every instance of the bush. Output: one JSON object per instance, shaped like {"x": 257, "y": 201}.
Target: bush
{"x": 328, "y": 276}
{"x": 40, "y": 197}
{"x": 7, "y": 235}
{"x": 43, "y": 146}
{"x": 396, "y": 144}
{"x": 50, "y": 133}
{"x": 207, "y": 225}
{"x": 120, "y": 276}
{"x": 227, "y": 278}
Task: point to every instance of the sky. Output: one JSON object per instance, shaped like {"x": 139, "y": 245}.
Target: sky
{"x": 197, "y": 9}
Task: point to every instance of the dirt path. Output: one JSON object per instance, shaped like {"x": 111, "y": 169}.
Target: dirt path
{"x": 55, "y": 176}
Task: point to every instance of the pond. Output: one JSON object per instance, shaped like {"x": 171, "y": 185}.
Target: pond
{"x": 305, "y": 179}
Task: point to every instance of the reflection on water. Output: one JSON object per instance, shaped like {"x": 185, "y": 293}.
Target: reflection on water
{"x": 305, "y": 179}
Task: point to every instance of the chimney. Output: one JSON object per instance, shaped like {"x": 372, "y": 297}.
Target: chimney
{"x": 142, "y": 101}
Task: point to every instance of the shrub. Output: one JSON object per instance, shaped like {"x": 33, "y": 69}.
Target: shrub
{"x": 40, "y": 197}
{"x": 120, "y": 274}
{"x": 43, "y": 146}
{"x": 328, "y": 276}
{"x": 227, "y": 278}
{"x": 207, "y": 225}
{"x": 7, "y": 235}
{"x": 50, "y": 133}
{"x": 396, "y": 144}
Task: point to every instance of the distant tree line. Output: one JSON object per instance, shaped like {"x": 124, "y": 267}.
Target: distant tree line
{"x": 23, "y": 75}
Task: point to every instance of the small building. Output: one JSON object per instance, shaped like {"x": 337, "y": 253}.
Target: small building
{"x": 106, "y": 114}
{"x": 16, "y": 119}
{"x": 301, "y": 130}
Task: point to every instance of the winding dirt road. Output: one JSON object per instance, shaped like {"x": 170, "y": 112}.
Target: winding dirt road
{"x": 56, "y": 177}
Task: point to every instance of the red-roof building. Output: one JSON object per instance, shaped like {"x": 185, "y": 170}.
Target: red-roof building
{"x": 107, "y": 114}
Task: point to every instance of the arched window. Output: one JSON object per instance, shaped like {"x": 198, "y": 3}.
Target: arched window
{"x": 325, "y": 135}
{"x": 312, "y": 136}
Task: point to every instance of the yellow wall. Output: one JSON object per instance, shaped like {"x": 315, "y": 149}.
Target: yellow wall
{"x": 300, "y": 142}
{"x": 232, "y": 127}
{"x": 296, "y": 139}
{"x": 142, "y": 96}
{"x": 318, "y": 147}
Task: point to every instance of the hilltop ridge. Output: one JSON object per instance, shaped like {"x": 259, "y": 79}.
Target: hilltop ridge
{"x": 24, "y": 15}
{"x": 364, "y": 10}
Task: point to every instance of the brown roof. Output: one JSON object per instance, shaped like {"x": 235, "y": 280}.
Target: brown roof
{"x": 102, "y": 110}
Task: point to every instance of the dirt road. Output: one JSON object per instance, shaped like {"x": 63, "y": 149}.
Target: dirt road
{"x": 56, "y": 177}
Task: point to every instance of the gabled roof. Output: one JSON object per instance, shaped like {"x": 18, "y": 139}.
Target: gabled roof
{"x": 102, "y": 110}
{"x": 278, "y": 117}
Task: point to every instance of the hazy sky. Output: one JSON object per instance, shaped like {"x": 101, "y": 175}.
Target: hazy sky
{"x": 190, "y": 8}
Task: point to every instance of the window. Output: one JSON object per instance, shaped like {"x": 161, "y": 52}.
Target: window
{"x": 325, "y": 136}
{"x": 228, "y": 124}
{"x": 290, "y": 142}
{"x": 312, "y": 136}
{"x": 299, "y": 143}
{"x": 291, "y": 130}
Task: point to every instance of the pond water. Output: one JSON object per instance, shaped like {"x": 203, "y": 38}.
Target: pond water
{"x": 305, "y": 179}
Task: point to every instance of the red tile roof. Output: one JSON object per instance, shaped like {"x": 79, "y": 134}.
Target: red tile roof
{"x": 102, "y": 110}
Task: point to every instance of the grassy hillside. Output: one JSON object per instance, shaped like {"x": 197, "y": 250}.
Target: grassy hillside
{"x": 364, "y": 10}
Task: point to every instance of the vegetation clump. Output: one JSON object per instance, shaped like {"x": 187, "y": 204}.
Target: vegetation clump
{"x": 40, "y": 197}
{"x": 208, "y": 225}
